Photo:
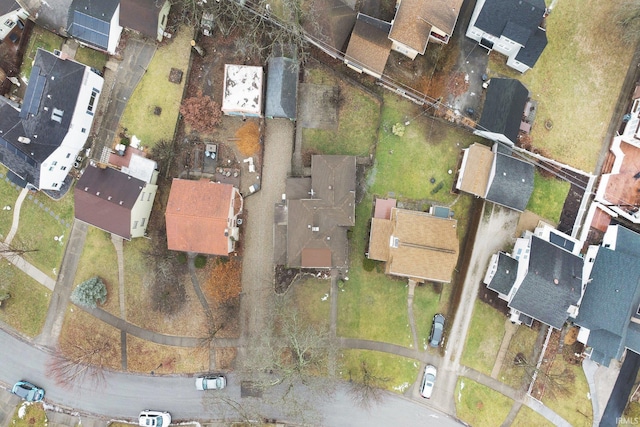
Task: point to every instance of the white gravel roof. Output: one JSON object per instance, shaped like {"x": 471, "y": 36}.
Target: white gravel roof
{"x": 242, "y": 90}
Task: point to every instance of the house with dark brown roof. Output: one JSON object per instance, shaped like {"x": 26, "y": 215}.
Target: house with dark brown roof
{"x": 148, "y": 17}
{"x": 369, "y": 46}
{"x": 418, "y": 245}
{"x": 117, "y": 201}
{"x": 418, "y": 21}
{"x": 328, "y": 24}
{"x": 202, "y": 217}
{"x": 316, "y": 213}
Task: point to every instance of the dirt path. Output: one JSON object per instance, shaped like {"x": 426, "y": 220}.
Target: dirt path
{"x": 257, "y": 262}
{"x": 496, "y": 229}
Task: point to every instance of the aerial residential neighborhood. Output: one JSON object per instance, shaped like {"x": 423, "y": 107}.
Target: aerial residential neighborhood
{"x": 319, "y": 213}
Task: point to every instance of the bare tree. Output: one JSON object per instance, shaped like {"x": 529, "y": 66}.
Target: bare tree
{"x": 82, "y": 356}
{"x": 366, "y": 385}
{"x": 289, "y": 360}
{"x": 555, "y": 384}
{"x": 15, "y": 249}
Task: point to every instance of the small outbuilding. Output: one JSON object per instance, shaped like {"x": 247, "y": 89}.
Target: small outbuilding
{"x": 243, "y": 90}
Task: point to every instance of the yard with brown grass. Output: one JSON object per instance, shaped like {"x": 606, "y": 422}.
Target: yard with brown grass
{"x": 576, "y": 81}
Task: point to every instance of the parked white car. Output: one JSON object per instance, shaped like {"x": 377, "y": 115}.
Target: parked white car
{"x": 211, "y": 382}
{"x": 150, "y": 418}
{"x": 428, "y": 381}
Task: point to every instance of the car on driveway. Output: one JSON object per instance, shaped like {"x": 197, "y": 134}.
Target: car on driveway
{"x": 437, "y": 330}
{"x": 28, "y": 391}
{"x": 428, "y": 381}
{"x": 149, "y": 418}
{"x": 211, "y": 382}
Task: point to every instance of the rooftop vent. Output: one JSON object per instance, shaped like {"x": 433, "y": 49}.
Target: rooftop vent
{"x": 24, "y": 140}
{"x": 315, "y": 228}
{"x": 56, "y": 115}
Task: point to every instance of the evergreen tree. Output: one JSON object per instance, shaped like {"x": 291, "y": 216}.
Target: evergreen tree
{"x": 89, "y": 293}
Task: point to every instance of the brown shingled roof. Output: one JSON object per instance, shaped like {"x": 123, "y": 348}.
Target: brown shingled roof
{"x": 369, "y": 46}
{"x": 141, "y": 15}
{"x": 414, "y": 19}
{"x": 197, "y": 216}
{"x": 426, "y": 246}
{"x": 475, "y": 176}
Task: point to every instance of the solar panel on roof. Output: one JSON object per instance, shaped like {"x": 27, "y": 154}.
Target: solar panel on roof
{"x": 34, "y": 93}
{"x": 561, "y": 241}
{"x": 90, "y": 29}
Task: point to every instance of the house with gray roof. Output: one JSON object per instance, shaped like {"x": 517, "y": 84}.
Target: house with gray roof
{"x": 40, "y": 141}
{"x": 12, "y": 18}
{"x": 313, "y": 218}
{"x": 609, "y": 316}
{"x": 282, "y": 88}
{"x": 95, "y": 23}
{"x": 502, "y": 111}
{"x": 513, "y": 28}
{"x": 116, "y": 201}
{"x": 542, "y": 279}
{"x": 496, "y": 175}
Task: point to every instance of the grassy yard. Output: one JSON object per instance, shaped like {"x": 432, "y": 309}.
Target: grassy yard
{"x": 91, "y": 57}
{"x": 528, "y": 417}
{"x": 8, "y": 196}
{"x": 40, "y": 222}
{"x": 311, "y": 297}
{"x": 484, "y": 338}
{"x": 189, "y": 321}
{"x": 26, "y": 310}
{"x": 548, "y": 197}
{"x": 39, "y": 38}
{"x": 145, "y": 356}
{"x": 371, "y": 305}
{"x": 155, "y": 90}
{"x": 522, "y": 342}
{"x": 574, "y": 404}
{"x": 99, "y": 259}
{"x": 426, "y": 303}
{"x": 358, "y": 119}
{"x": 576, "y": 81}
{"x": 400, "y": 372}
{"x": 479, "y": 405}
{"x": 29, "y": 414}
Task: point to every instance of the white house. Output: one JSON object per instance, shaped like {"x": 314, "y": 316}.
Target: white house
{"x": 40, "y": 141}
{"x": 512, "y": 28}
{"x": 11, "y": 16}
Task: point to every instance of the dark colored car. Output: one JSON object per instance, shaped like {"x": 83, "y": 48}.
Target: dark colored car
{"x": 437, "y": 330}
{"x": 28, "y": 391}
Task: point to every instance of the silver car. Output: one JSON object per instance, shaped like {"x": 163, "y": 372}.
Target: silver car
{"x": 211, "y": 382}
{"x": 428, "y": 381}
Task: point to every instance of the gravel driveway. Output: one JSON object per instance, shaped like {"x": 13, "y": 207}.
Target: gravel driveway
{"x": 257, "y": 262}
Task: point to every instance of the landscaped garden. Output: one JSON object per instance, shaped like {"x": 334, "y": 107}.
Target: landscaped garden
{"x": 575, "y": 84}
{"x": 42, "y": 38}
{"x": 91, "y": 57}
{"x": 152, "y": 112}
{"x": 548, "y": 197}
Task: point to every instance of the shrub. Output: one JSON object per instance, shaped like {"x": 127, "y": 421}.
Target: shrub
{"x": 368, "y": 264}
{"x": 182, "y": 258}
{"x": 89, "y": 293}
{"x": 200, "y": 261}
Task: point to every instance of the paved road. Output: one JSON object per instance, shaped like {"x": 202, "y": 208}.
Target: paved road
{"x": 622, "y": 390}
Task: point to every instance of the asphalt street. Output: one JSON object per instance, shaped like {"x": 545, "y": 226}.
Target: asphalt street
{"x": 123, "y": 396}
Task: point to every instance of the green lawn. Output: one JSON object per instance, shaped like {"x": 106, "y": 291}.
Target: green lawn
{"x": 91, "y": 57}
{"x": 528, "y": 417}
{"x": 399, "y": 372}
{"x": 484, "y": 338}
{"x": 370, "y": 304}
{"x": 99, "y": 259}
{"x": 8, "y": 196}
{"x": 311, "y": 297}
{"x": 576, "y": 81}
{"x": 135, "y": 278}
{"x": 39, "y": 225}
{"x": 26, "y": 310}
{"x": 426, "y": 303}
{"x": 548, "y": 197}
{"x": 522, "y": 342}
{"x": 358, "y": 120}
{"x": 573, "y": 404}
{"x": 34, "y": 415}
{"x": 479, "y": 405}
{"x": 155, "y": 90}
{"x": 39, "y": 38}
